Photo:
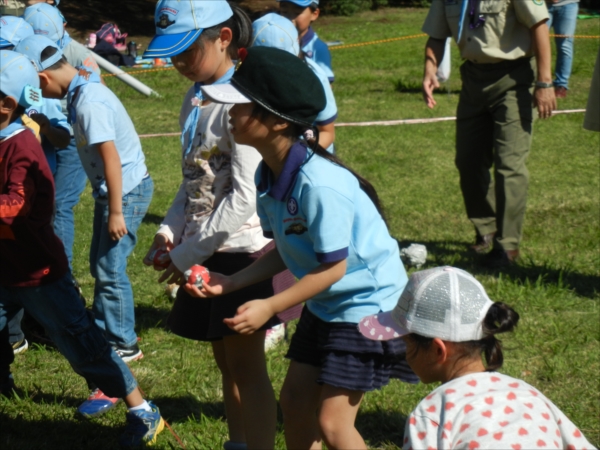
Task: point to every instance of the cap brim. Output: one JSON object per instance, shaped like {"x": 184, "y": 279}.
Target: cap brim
{"x": 381, "y": 327}
{"x": 225, "y": 93}
{"x": 166, "y": 45}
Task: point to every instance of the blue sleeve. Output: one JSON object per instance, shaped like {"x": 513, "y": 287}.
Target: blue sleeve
{"x": 53, "y": 111}
{"x": 96, "y": 121}
{"x": 260, "y": 209}
{"x": 330, "y": 216}
{"x": 329, "y": 114}
{"x": 322, "y": 57}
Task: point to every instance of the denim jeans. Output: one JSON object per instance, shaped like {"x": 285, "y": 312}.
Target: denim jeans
{"x": 71, "y": 327}
{"x": 69, "y": 181}
{"x": 564, "y": 20}
{"x": 113, "y": 296}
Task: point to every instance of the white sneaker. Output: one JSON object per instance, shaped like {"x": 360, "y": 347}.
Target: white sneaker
{"x": 274, "y": 336}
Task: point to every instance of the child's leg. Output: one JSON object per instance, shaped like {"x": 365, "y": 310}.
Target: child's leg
{"x": 299, "y": 400}
{"x": 113, "y": 295}
{"x": 245, "y": 357}
{"x": 6, "y": 352}
{"x": 56, "y": 306}
{"x": 337, "y": 415}
{"x": 231, "y": 395}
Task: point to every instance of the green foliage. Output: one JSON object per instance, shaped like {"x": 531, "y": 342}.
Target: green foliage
{"x": 556, "y": 289}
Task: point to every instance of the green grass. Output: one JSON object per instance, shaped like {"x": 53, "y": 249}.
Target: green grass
{"x": 556, "y": 289}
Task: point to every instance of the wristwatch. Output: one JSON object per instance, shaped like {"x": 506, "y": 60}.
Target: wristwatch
{"x": 542, "y": 85}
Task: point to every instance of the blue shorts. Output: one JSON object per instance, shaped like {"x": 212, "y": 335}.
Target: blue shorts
{"x": 348, "y": 359}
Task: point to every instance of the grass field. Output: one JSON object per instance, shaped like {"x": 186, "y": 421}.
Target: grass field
{"x": 555, "y": 289}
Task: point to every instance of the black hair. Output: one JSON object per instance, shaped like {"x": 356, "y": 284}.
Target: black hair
{"x": 241, "y": 27}
{"x": 500, "y": 318}
{"x": 297, "y": 129}
{"x": 19, "y": 110}
{"x": 50, "y": 51}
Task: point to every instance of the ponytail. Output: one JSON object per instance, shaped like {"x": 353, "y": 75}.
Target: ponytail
{"x": 311, "y": 136}
{"x": 500, "y": 318}
{"x": 241, "y": 28}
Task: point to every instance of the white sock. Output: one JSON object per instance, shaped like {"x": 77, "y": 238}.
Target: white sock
{"x": 145, "y": 406}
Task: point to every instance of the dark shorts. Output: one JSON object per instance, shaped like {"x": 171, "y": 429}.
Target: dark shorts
{"x": 348, "y": 359}
{"x": 202, "y": 319}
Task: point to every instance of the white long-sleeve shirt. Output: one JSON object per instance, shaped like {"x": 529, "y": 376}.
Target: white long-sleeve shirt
{"x": 214, "y": 209}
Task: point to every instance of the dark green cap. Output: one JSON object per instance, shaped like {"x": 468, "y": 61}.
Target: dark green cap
{"x": 278, "y": 81}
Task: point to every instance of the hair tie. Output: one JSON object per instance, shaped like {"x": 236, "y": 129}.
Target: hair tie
{"x": 309, "y": 135}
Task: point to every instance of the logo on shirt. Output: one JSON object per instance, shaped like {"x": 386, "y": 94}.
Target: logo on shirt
{"x": 292, "y": 206}
{"x": 296, "y": 228}
{"x": 164, "y": 22}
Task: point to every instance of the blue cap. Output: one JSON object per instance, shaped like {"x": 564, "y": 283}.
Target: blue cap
{"x": 19, "y": 80}
{"x": 45, "y": 20}
{"x": 178, "y": 24}
{"x": 303, "y": 3}
{"x": 273, "y": 30}
{"x": 33, "y": 46}
{"x": 13, "y": 30}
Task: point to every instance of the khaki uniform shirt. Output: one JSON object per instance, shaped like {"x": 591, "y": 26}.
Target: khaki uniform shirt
{"x": 505, "y": 35}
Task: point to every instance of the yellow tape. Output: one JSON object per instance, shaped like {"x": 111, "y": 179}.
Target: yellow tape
{"x": 360, "y": 44}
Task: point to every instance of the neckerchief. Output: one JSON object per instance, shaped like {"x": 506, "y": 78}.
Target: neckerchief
{"x": 82, "y": 78}
{"x": 191, "y": 123}
{"x": 475, "y": 19}
{"x": 11, "y": 128}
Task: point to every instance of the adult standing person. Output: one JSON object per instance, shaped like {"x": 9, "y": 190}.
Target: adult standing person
{"x": 498, "y": 39}
{"x": 563, "y": 18}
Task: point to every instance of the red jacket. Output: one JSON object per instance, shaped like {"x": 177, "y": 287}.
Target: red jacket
{"x": 30, "y": 253}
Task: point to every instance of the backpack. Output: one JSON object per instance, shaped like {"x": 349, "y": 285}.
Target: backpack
{"x": 110, "y": 33}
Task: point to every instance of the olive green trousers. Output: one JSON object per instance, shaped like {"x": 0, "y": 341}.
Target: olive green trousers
{"x": 493, "y": 129}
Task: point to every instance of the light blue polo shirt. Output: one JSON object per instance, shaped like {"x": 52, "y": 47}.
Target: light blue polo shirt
{"x": 317, "y": 213}
{"x": 101, "y": 117}
{"x": 53, "y": 111}
{"x": 317, "y": 50}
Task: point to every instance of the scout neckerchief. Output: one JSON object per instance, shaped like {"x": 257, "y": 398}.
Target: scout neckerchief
{"x": 475, "y": 19}
{"x": 191, "y": 123}
{"x": 11, "y": 128}
{"x": 82, "y": 78}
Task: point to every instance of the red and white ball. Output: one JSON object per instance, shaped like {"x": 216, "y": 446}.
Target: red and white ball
{"x": 158, "y": 258}
{"x": 197, "y": 275}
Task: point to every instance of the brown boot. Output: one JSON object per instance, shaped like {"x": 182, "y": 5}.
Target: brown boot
{"x": 483, "y": 244}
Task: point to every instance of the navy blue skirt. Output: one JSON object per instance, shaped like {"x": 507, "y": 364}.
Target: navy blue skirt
{"x": 346, "y": 358}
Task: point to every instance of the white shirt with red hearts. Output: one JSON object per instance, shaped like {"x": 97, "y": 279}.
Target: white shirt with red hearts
{"x": 493, "y": 411}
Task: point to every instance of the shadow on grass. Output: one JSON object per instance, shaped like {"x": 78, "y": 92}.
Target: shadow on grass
{"x": 18, "y": 433}
{"x": 153, "y": 219}
{"x": 186, "y": 408}
{"x": 147, "y": 317}
{"x": 414, "y": 87}
{"x": 454, "y": 253}
{"x": 381, "y": 429}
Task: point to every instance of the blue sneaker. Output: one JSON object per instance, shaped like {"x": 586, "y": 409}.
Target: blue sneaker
{"x": 142, "y": 427}
{"x": 97, "y": 404}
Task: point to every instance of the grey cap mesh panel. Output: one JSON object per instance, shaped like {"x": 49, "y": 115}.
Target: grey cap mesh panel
{"x": 435, "y": 300}
{"x": 471, "y": 300}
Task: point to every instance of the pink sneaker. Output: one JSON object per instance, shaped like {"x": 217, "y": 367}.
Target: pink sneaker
{"x": 97, "y": 404}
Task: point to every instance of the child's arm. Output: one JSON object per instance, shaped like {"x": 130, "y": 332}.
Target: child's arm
{"x": 254, "y": 314}
{"x": 114, "y": 185}
{"x": 58, "y": 136}
{"x": 326, "y": 134}
{"x": 18, "y": 190}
